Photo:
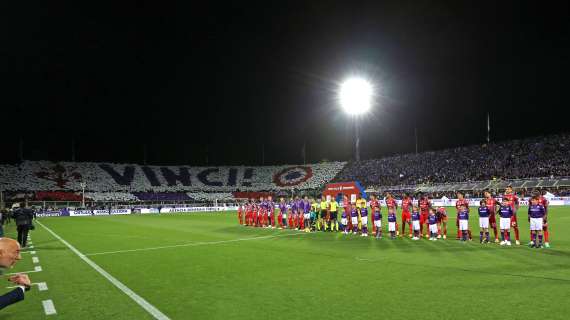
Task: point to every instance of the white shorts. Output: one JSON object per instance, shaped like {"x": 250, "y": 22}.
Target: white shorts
{"x": 463, "y": 225}
{"x": 484, "y": 222}
{"x": 433, "y": 228}
{"x": 391, "y": 226}
{"x": 307, "y": 216}
{"x": 416, "y": 225}
{"x": 364, "y": 220}
{"x": 344, "y": 221}
{"x": 354, "y": 221}
{"x": 536, "y": 224}
{"x": 378, "y": 223}
{"x": 505, "y": 223}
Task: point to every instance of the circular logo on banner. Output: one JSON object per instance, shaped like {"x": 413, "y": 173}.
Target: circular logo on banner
{"x": 292, "y": 176}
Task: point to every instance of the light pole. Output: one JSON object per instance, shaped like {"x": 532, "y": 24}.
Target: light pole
{"x": 355, "y": 97}
{"x": 83, "y": 185}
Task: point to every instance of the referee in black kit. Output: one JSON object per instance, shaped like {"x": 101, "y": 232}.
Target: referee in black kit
{"x": 23, "y": 217}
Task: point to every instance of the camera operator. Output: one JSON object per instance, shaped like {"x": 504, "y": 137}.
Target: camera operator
{"x": 9, "y": 255}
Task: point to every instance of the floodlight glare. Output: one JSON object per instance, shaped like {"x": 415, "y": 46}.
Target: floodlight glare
{"x": 355, "y": 96}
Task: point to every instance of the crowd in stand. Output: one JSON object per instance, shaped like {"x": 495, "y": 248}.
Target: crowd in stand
{"x": 536, "y": 157}
{"x": 547, "y": 156}
{"x": 109, "y": 177}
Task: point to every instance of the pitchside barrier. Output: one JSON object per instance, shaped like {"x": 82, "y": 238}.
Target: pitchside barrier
{"x": 473, "y": 202}
{"x": 106, "y": 212}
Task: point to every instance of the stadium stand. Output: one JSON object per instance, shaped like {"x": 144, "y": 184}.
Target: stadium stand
{"x": 547, "y": 156}
{"x": 107, "y": 177}
{"x": 161, "y": 196}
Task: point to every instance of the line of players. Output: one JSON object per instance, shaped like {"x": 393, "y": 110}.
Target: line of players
{"x": 309, "y": 215}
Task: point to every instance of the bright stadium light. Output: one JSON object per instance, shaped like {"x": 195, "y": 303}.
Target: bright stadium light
{"x": 356, "y": 96}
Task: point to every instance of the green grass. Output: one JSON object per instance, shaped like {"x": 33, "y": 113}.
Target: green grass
{"x": 291, "y": 276}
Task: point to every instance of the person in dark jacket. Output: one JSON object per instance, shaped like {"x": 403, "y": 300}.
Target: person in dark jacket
{"x": 23, "y": 217}
{"x": 9, "y": 255}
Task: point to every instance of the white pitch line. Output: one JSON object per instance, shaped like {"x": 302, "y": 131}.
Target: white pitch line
{"x": 36, "y": 269}
{"x": 35, "y": 260}
{"x": 42, "y": 286}
{"x": 49, "y": 308}
{"x": 157, "y": 314}
{"x": 192, "y": 244}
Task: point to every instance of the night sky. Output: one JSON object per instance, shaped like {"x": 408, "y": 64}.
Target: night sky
{"x": 211, "y": 84}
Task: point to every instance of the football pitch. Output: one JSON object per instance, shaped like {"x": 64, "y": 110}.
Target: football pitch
{"x": 206, "y": 266}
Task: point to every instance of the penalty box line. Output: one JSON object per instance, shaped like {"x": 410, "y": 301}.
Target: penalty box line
{"x": 152, "y": 310}
{"x": 193, "y": 244}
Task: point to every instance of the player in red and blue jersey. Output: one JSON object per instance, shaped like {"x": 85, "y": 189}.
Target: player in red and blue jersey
{"x": 492, "y": 204}
{"x": 374, "y": 207}
{"x": 506, "y": 212}
{"x": 377, "y": 221}
{"x": 544, "y": 202}
{"x": 240, "y": 213}
{"x": 407, "y": 203}
{"x": 441, "y": 215}
{"x": 424, "y": 204}
{"x": 513, "y": 201}
{"x": 536, "y": 215}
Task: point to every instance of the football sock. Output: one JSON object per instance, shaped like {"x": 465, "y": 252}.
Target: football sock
{"x": 540, "y": 239}
{"x": 546, "y": 235}
{"x": 487, "y": 236}
{"x": 508, "y": 236}
{"x": 516, "y": 233}
{"x": 480, "y": 236}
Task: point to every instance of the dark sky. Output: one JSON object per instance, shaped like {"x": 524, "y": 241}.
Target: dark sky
{"x": 223, "y": 80}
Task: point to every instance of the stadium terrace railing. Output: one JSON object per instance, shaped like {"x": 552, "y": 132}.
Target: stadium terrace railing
{"x": 544, "y": 182}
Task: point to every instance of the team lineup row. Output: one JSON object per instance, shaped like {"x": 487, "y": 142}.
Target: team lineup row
{"x": 422, "y": 219}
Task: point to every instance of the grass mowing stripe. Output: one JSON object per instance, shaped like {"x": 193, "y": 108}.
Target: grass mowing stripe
{"x": 157, "y": 314}
{"x": 192, "y": 244}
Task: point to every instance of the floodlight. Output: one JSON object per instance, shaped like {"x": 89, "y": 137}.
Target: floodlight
{"x": 356, "y": 96}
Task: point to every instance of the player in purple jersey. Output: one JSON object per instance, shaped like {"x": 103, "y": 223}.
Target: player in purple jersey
{"x": 484, "y": 213}
{"x": 416, "y": 222}
{"x": 432, "y": 223}
{"x": 536, "y": 214}
{"x": 364, "y": 221}
{"x": 354, "y": 219}
{"x": 463, "y": 217}
{"x": 377, "y": 221}
{"x": 506, "y": 213}
{"x": 392, "y": 223}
